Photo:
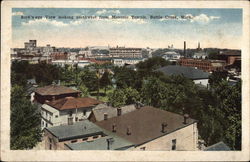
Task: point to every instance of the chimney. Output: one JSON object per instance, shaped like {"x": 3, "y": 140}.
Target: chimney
{"x": 119, "y": 111}
{"x": 109, "y": 142}
{"x": 105, "y": 116}
{"x": 164, "y": 127}
{"x": 114, "y": 127}
{"x": 184, "y": 49}
{"x": 185, "y": 117}
{"x": 128, "y": 130}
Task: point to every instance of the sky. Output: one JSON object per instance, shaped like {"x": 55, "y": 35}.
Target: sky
{"x": 218, "y": 28}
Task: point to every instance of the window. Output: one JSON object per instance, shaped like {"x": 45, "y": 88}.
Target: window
{"x": 50, "y": 140}
{"x": 50, "y": 146}
{"x": 46, "y": 124}
{"x": 76, "y": 118}
{"x": 84, "y": 112}
{"x": 174, "y": 144}
{"x": 73, "y": 141}
{"x": 95, "y": 136}
{"x": 70, "y": 113}
{"x": 143, "y": 148}
{"x": 85, "y": 139}
{"x": 56, "y": 116}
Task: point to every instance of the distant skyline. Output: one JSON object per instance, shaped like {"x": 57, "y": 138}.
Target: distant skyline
{"x": 216, "y": 28}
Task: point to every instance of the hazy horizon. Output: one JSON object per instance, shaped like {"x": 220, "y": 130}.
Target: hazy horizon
{"x": 213, "y": 28}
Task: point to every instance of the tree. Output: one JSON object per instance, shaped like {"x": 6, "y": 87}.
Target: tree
{"x": 105, "y": 80}
{"x": 90, "y": 80}
{"x": 84, "y": 90}
{"x": 217, "y": 77}
{"x": 124, "y": 96}
{"x": 25, "y": 121}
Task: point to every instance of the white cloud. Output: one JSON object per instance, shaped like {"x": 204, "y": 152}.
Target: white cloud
{"x": 45, "y": 21}
{"x": 203, "y": 18}
{"x": 103, "y": 11}
{"x": 17, "y": 14}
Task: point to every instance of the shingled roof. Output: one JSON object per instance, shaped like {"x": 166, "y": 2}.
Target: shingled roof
{"x": 55, "y": 90}
{"x": 73, "y": 103}
{"x": 188, "y": 72}
{"x": 145, "y": 124}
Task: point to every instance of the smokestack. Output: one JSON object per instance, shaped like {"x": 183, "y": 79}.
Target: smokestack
{"x": 114, "y": 127}
{"x": 164, "y": 127}
{"x": 185, "y": 49}
{"x": 185, "y": 117}
{"x": 119, "y": 111}
{"x": 105, "y": 116}
{"x": 128, "y": 130}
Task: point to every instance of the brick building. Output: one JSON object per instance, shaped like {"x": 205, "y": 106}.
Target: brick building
{"x": 230, "y": 56}
{"x": 205, "y": 65}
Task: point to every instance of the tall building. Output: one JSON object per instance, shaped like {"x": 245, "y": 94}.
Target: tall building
{"x": 123, "y": 52}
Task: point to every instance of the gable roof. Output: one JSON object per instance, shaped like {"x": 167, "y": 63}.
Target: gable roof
{"x": 188, "y": 72}
{"x": 220, "y": 146}
{"x": 145, "y": 124}
{"x": 55, "y": 90}
{"x": 77, "y": 130}
{"x": 73, "y": 103}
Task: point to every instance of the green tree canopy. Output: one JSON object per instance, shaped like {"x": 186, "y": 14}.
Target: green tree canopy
{"x": 25, "y": 121}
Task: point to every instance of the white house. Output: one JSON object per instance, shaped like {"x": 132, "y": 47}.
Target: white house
{"x": 128, "y": 61}
{"x": 171, "y": 56}
{"x": 66, "y": 111}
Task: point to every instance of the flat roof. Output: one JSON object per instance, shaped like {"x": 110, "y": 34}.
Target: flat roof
{"x": 77, "y": 130}
{"x": 102, "y": 144}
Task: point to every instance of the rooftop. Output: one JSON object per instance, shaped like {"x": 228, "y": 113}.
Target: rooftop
{"x": 188, "y": 72}
{"x": 220, "y": 146}
{"x": 77, "y": 130}
{"x": 101, "y": 144}
{"x": 55, "y": 90}
{"x": 73, "y": 103}
{"x": 145, "y": 124}
{"x": 100, "y": 109}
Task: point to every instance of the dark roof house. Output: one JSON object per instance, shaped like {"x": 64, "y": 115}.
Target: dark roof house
{"x": 145, "y": 124}
{"x": 73, "y": 103}
{"x": 188, "y": 72}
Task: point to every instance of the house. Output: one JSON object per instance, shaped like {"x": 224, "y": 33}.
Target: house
{"x": 83, "y": 135}
{"x": 197, "y": 76}
{"x": 220, "y": 146}
{"x": 150, "y": 128}
{"x": 126, "y": 61}
{"x": 56, "y": 137}
{"x": 171, "y": 56}
{"x": 200, "y": 55}
{"x": 54, "y": 92}
{"x": 103, "y": 112}
{"x": 66, "y": 111}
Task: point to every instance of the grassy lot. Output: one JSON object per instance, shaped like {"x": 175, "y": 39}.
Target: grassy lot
{"x": 102, "y": 97}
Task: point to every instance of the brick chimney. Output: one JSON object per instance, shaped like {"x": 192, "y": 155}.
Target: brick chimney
{"x": 129, "y": 130}
{"x": 119, "y": 111}
{"x": 113, "y": 127}
{"x": 185, "y": 117}
{"x": 105, "y": 116}
{"x": 164, "y": 127}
